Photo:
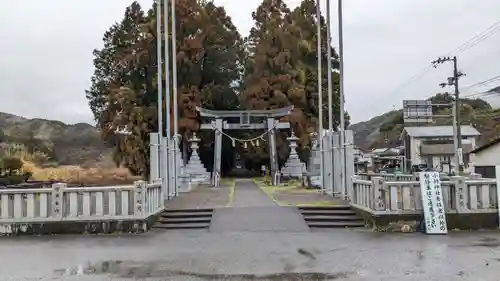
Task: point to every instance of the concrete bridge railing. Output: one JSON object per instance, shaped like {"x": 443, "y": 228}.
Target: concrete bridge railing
{"x": 402, "y": 177}
{"x": 460, "y": 195}
{"x": 73, "y": 204}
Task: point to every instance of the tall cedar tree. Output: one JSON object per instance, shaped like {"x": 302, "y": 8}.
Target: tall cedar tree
{"x": 282, "y": 70}
{"x": 121, "y": 92}
{"x": 221, "y": 70}
{"x": 305, "y": 27}
{"x": 271, "y": 78}
{"x": 124, "y": 91}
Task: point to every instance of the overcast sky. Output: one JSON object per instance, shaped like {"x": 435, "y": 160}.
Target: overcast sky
{"x": 46, "y": 48}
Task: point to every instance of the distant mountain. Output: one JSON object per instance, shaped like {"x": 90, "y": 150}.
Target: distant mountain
{"x": 496, "y": 89}
{"x": 384, "y": 130}
{"x": 492, "y": 96}
{"x": 67, "y": 144}
{"x": 367, "y": 132}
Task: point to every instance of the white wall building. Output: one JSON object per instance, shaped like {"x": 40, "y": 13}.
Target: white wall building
{"x": 433, "y": 146}
{"x": 485, "y": 158}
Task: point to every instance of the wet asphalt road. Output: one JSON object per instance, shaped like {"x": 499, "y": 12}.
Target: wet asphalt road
{"x": 201, "y": 255}
{"x": 253, "y": 254}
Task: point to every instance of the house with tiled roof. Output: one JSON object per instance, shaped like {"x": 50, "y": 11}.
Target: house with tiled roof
{"x": 433, "y": 146}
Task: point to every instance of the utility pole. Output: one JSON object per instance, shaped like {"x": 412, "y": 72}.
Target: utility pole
{"x": 453, "y": 81}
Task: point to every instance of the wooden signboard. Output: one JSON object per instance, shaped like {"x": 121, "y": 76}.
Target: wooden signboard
{"x": 432, "y": 202}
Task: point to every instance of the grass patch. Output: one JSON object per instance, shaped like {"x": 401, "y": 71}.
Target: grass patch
{"x": 79, "y": 175}
{"x": 291, "y": 188}
{"x": 268, "y": 190}
{"x": 227, "y": 181}
{"x": 318, "y": 204}
{"x": 232, "y": 186}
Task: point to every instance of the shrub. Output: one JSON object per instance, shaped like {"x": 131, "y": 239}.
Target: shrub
{"x": 11, "y": 165}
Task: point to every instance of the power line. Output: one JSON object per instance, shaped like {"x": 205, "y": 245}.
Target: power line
{"x": 475, "y": 40}
{"x": 478, "y": 38}
{"x": 412, "y": 79}
{"x": 481, "y": 95}
{"x": 482, "y": 83}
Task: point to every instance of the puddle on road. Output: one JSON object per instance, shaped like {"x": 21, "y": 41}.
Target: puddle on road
{"x": 487, "y": 242}
{"x": 134, "y": 270}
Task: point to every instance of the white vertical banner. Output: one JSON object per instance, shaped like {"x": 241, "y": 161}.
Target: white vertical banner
{"x": 432, "y": 202}
{"x": 497, "y": 179}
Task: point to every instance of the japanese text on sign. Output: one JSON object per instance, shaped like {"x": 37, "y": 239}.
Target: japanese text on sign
{"x": 433, "y": 204}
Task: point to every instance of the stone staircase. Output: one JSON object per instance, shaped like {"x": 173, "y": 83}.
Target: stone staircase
{"x": 184, "y": 219}
{"x": 331, "y": 217}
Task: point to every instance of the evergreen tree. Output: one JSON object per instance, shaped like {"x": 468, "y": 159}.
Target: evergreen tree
{"x": 124, "y": 92}
{"x": 282, "y": 70}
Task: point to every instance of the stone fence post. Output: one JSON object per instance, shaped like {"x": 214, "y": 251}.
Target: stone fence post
{"x": 58, "y": 199}
{"x": 353, "y": 199}
{"x": 155, "y": 157}
{"x": 378, "y": 194}
{"x": 460, "y": 194}
{"x": 161, "y": 198}
{"x": 140, "y": 198}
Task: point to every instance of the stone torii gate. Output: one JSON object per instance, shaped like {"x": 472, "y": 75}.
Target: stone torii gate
{"x": 269, "y": 123}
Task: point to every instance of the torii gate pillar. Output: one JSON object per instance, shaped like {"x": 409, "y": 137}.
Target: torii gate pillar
{"x": 217, "y": 152}
{"x": 271, "y": 124}
{"x": 273, "y": 155}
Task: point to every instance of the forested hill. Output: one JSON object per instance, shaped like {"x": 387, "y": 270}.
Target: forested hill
{"x": 374, "y": 132}
{"x": 62, "y": 143}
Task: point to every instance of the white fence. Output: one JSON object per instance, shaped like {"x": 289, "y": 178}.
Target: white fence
{"x": 460, "y": 195}
{"x": 387, "y": 177}
{"x": 333, "y": 151}
{"x": 62, "y": 203}
{"x": 405, "y": 177}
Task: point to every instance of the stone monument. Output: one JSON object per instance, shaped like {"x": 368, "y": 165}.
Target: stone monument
{"x": 293, "y": 166}
{"x": 195, "y": 169}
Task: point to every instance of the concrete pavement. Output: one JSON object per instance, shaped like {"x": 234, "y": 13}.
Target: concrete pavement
{"x": 256, "y": 241}
{"x": 248, "y": 194}
{"x": 252, "y": 210}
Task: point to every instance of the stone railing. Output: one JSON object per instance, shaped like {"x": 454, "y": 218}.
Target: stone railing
{"x": 460, "y": 195}
{"x": 62, "y": 203}
{"x": 400, "y": 177}
{"x": 387, "y": 177}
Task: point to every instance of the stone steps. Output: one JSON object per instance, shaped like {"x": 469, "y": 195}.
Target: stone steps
{"x": 184, "y": 219}
{"x": 331, "y": 217}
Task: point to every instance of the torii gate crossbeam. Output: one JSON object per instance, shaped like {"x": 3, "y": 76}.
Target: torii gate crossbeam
{"x": 219, "y": 125}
